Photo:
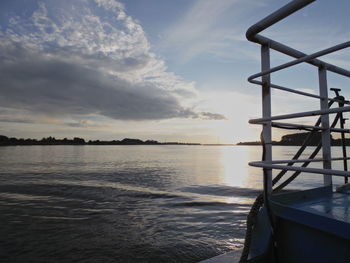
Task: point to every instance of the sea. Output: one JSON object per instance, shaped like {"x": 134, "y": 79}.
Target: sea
{"x": 136, "y": 203}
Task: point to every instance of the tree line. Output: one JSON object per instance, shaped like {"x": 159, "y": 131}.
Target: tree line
{"x": 297, "y": 139}
{"x": 6, "y": 141}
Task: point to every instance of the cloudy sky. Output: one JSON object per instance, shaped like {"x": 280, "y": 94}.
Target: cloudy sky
{"x": 169, "y": 70}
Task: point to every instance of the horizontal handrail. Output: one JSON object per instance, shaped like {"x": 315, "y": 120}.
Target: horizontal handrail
{"x": 301, "y": 169}
{"x": 301, "y": 60}
{"x": 302, "y": 160}
{"x": 340, "y": 130}
{"x": 299, "y": 115}
{"x": 295, "y": 125}
{"x": 303, "y": 93}
{"x": 298, "y": 54}
{"x": 288, "y": 89}
{"x": 303, "y": 126}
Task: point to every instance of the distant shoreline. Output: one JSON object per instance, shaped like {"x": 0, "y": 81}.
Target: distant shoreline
{"x": 6, "y": 141}
{"x": 297, "y": 139}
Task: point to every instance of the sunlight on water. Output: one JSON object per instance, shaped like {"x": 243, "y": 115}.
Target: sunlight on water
{"x": 236, "y": 171}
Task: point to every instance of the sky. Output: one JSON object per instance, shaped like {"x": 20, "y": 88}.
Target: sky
{"x": 168, "y": 70}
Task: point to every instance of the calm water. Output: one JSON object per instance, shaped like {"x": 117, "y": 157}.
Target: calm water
{"x": 127, "y": 203}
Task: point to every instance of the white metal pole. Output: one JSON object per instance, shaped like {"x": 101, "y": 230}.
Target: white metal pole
{"x": 326, "y": 136}
{"x": 266, "y": 111}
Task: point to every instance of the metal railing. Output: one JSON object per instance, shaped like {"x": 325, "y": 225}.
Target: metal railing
{"x": 268, "y": 121}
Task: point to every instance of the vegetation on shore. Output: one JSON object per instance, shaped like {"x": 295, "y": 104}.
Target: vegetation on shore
{"x": 297, "y": 139}
{"x": 6, "y": 141}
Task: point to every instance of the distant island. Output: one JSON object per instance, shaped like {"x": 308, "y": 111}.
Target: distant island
{"x": 297, "y": 139}
{"x": 6, "y": 141}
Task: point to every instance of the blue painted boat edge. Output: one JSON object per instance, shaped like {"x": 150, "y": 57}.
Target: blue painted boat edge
{"x": 286, "y": 206}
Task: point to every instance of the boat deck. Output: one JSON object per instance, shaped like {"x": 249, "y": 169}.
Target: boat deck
{"x": 318, "y": 208}
{"x": 335, "y": 206}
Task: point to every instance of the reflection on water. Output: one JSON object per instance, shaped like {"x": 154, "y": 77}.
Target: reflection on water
{"x": 126, "y": 203}
{"x": 236, "y": 171}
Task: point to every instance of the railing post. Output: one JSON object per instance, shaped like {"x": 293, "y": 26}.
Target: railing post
{"x": 266, "y": 112}
{"x": 326, "y": 136}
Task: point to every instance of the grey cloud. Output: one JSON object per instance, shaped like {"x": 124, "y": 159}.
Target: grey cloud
{"x": 212, "y": 116}
{"x": 78, "y": 124}
{"x": 46, "y": 83}
{"x": 16, "y": 120}
{"x": 15, "y": 116}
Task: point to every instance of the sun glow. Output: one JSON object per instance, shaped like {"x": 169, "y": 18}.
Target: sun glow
{"x": 238, "y": 109}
